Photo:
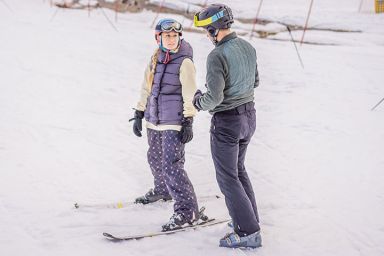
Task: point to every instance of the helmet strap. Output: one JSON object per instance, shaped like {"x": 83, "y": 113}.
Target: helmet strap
{"x": 213, "y": 36}
{"x": 213, "y": 40}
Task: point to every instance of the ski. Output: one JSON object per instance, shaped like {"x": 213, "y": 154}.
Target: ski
{"x": 124, "y": 204}
{"x": 207, "y": 223}
{"x": 116, "y": 205}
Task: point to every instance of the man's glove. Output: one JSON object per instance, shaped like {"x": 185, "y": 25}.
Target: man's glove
{"x": 196, "y": 98}
{"x": 186, "y": 133}
{"x": 138, "y": 122}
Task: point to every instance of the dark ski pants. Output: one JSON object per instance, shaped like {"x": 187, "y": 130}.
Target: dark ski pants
{"x": 166, "y": 159}
{"x": 231, "y": 132}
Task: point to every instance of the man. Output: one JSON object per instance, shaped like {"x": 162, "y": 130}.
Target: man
{"x": 231, "y": 78}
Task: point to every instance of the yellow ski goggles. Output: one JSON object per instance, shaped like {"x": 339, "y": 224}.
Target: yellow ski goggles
{"x": 208, "y": 21}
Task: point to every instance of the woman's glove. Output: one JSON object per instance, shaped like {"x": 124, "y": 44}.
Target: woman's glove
{"x": 138, "y": 122}
{"x": 186, "y": 132}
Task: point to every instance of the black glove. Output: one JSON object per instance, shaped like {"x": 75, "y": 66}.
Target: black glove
{"x": 186, "y": 133}
{"x": 138, "y": 122}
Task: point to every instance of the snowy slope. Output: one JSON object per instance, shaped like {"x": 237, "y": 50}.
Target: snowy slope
{"x": 69, "y": 82}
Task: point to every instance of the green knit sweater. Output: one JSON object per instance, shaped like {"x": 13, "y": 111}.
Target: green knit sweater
{"x": 231, "y": 75}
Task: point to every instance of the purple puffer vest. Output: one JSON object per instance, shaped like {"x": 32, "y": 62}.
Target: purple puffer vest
{"x": 165, "y": 103}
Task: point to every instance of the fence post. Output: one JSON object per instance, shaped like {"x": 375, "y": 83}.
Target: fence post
{"x": 204, "y": 5}
{"x": 157, "y": 14}
{"x": 306, "y": 23}
{"x": 255, "y": 21}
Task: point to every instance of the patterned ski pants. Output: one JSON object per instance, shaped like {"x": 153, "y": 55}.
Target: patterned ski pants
{"x": 166, "y": 160}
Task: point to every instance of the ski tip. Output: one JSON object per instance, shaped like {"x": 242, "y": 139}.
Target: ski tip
{"x": 108, "y": 235}
{"x": 112, "y": 238}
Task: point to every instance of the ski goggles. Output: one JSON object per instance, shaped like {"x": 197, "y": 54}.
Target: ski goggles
{"x": 207, "y": 21}
{"x": 168, "y": 26}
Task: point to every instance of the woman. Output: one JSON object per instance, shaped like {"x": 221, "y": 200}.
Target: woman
{"x": 166, "y": 103}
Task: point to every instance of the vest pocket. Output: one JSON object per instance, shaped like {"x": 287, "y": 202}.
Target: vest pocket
{"x": 171, "y": 108}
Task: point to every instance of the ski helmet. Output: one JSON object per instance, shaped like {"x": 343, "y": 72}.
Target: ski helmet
{"x": 213, "y": 18}
{"x": 167, "y": 25}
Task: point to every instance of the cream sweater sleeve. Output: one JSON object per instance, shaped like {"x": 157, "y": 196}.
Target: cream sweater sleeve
{"x": 145, "y": 89}
{"x": 188, "y": 86}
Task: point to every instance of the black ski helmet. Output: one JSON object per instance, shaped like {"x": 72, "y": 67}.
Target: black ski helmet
{"x": 213, "y": 18}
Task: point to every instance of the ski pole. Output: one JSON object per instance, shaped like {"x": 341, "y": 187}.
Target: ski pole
{"x": 297, "y": 51}
{"x": 377, "y": 104}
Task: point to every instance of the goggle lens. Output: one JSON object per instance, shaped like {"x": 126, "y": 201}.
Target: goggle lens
{"x": 172, "y": 25}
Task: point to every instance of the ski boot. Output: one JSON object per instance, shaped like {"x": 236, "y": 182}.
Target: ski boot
{"x": 233, "y": 240}
{"x": 179, "y": 221}
{"x": 151, "y": 197}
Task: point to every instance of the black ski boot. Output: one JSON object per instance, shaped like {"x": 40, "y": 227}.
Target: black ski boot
{"x": 151, "y": 197}
{"x": 179, "y": 221}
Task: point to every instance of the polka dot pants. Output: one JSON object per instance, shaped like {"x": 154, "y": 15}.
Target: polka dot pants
{"x": 166, "y": 159}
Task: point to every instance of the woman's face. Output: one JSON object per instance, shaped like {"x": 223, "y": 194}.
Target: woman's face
{"x": 170, "y": 40}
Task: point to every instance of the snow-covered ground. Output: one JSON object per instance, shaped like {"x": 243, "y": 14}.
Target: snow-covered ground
{"x": 68, "y": 83}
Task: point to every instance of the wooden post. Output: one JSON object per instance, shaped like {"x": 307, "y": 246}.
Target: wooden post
{"x": 89, "y": 8}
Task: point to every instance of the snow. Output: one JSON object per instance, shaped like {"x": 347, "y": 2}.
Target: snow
{"x": 68, "y": 85}
{"x": 177, "y": 5}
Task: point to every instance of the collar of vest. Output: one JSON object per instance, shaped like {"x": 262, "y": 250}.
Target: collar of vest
{"x": 184, "y": 50}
